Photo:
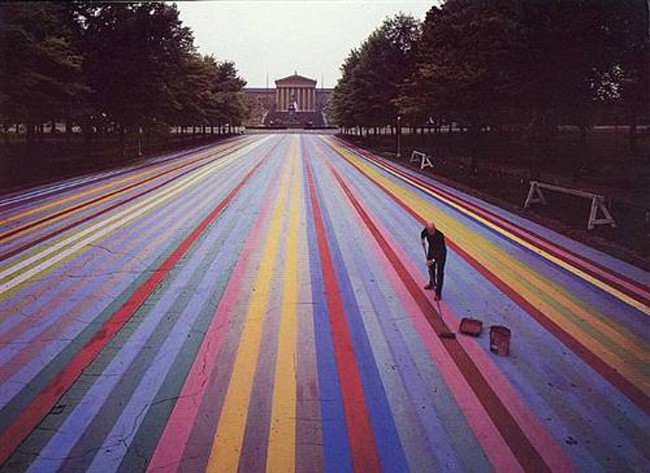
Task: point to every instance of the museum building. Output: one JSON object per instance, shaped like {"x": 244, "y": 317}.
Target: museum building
{"x": 295, "y": 102}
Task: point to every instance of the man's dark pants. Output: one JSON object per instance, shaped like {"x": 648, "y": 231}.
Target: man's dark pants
{"x": 437, "y": 273}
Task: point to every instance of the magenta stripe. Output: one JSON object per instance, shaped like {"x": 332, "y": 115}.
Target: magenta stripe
{"x": 615, "y": 279}
{"x": 169, "y": 451}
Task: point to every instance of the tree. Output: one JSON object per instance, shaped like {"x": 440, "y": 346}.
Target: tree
{"x": 228, "y": 104}
{"x": 341, "y": 102}
{"x": 136, "y": 54}
{"x": 628, "y": 47}
{"x": 371, "y": 76}
{"x": 41, "y": 63}
{"x": 192, "y": 92}
{"x": 461, "y": 72}
{"x": 535, "y": 62}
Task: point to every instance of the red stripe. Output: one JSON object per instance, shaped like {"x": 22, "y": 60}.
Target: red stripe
{"x": 101, "y": 198}
{"x": 365, "y": 457}
{"x": 636, "y": 395}
{"x": 39, "y": 407}
{"x": 120, "y": 173}
{"x": 524, "y": 451}
{"x": 606, "y": 275}
{"x": 594, "y": 269}
{"x": 87, "y": 218}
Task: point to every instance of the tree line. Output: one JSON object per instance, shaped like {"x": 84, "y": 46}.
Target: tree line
{"x": 524, "y": 65}
{"x": 109, "y": 68}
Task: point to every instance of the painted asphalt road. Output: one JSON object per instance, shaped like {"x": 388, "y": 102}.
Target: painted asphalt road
{"x": 258, "y": 305}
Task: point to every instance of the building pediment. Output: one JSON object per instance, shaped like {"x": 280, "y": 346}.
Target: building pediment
{"x": 295, "y": 81}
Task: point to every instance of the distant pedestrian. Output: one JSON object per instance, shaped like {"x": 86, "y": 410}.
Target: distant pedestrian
{"x": 436, "y": 255}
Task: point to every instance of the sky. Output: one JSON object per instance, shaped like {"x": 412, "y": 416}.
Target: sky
{"x": 280, "y": 37}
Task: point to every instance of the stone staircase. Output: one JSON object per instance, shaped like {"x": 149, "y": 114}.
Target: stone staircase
{"x": 295, "y": 119}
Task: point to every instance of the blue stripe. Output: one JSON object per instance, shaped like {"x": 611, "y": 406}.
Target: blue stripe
{"x": 336, "y": 448}
{"x": 390, "y": 450}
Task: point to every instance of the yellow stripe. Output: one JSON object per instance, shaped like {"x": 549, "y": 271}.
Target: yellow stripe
{"x": 142, "y": 175}
{"x": 74, "y": 197}
{"x": 94, "y": 190}
{"x": 518, "y": 277}
{"x": 569, "y": 267}
{"x": 227, "y": 443}
{"x": 552, "y": 300}
{"x": 546, "y": 296}
{"x": 65, "y": 242}
{"x": 282, "y": 434}
{"x": 41, "y": 274}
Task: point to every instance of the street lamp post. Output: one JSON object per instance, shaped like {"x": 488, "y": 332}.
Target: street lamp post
{"x": 399, "y": 136}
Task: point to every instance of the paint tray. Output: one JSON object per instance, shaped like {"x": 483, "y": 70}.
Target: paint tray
{"x": 471, "y": 327}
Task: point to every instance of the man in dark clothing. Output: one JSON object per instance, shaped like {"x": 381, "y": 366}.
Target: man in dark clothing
{"x": 436, "y": 256}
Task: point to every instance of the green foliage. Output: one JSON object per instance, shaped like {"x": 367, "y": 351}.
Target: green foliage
{"x": 111, "y": 65}
{"x": 531, "y": 63}
{"x": 135, "y": 59}
{"x": 342, "y": 105}
{"x": 229, "y": 104}
{"x": 41, "y": 66}
{"x": 366, "y": 93}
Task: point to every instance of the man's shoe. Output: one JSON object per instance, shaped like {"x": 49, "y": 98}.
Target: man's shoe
{"x": 429, "y": 286}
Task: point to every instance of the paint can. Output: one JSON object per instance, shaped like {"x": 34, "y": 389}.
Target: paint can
{"x": 471, "y": 327}
{"x": 500, "y": 340}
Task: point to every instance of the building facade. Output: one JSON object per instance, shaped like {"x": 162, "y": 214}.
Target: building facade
{"x": 295, "y": 95}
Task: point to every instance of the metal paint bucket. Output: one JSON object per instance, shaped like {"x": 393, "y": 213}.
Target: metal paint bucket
{"x": 500, "y": 340}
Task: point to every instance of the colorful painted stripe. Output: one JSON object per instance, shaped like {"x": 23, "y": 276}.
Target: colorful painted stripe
{"x": 525, "y": 289}
{"x": 259, "y": 305}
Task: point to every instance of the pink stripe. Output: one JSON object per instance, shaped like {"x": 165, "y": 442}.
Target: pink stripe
{"x": 56, "y": 330}
{"x": 51, "y": 283}
{"x": 493, "y": 444}
{"x": 37, "y": 409}
{"x": 590, "y": 267}
{"x": 554, "y": 455}
{"x": 51, "y": 336}
{"x": 485, "y": 430}
{"x": 488, "y": 435}
{"x": 169, "y": 451}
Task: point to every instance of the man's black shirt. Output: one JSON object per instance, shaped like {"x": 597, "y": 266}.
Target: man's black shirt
{"x": 437, "y": 247}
